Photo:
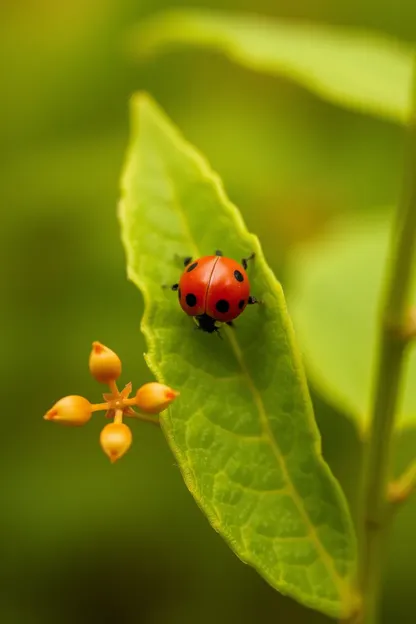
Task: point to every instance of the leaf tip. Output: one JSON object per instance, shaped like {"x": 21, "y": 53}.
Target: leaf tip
{"x": 140, "y": 100}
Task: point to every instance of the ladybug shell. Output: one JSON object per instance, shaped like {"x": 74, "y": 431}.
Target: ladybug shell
{"x": 216, "y": 286}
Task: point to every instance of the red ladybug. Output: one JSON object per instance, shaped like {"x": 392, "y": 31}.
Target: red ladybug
{"x": 214, "y": 290}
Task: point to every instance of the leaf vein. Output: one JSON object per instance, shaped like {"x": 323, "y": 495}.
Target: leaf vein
{"x": 338, "y": 580}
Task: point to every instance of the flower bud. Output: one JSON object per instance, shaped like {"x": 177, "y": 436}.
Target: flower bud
{"x": 154, "y": 397}
{"x": 71, "y": 410}
{"x": 115, "y": 440}
{"x": 105, "y": 365}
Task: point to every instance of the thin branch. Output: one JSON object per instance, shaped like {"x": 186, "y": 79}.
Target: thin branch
{"x": 395, "y": 334}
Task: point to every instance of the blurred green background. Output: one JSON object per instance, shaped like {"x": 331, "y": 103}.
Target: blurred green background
{"x": 83, "y": 540}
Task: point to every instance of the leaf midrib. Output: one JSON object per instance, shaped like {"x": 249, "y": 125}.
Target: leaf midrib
{"x": 339, "y": 581}
{"x": 269, "y": 436}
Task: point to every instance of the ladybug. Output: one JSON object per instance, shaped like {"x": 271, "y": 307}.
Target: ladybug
{"x": 214, "y": 290}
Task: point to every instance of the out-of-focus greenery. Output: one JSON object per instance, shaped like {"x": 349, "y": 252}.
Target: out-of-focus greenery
{"x": 82, "y": 539}
{"x": 336, "y": 300}
{"x": 322, "y": 58}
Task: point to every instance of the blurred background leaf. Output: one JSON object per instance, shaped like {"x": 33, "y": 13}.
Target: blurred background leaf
{"x": 358, "y": 70}
{"x": 335, "y": 307}
{"x": 84, "y": 540}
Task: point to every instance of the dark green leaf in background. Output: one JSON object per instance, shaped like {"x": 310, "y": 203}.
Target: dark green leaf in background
{"x": 242, "y": 430}
{"x": 360, "y": 70}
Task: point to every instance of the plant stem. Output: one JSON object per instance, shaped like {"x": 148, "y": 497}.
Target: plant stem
{"x": 394, "y": 337}
{"x": 118, "y": 416}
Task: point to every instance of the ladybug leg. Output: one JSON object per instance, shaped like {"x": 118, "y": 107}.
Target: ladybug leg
{"x": 218, "y": 252}
{"x": 252, "y": 300}
{"x": 183, "y": 259}
{"x": 215, "y": 331}
{"x": 244, "y": 261}
{"x": 173, "y": 287}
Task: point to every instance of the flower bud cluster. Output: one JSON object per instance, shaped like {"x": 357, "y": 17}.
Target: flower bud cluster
{"x": 116, "y": 437}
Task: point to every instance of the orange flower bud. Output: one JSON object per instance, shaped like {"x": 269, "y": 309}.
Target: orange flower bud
{"x": 115, "y": 440}
{"x": 154, "y": 397}
{"x": 71, "y": 410}
{"x": 105, "y": 365}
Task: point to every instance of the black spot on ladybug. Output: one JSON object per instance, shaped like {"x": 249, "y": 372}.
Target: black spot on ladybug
{"x": 190, "y": 300}
{"x": 238, "y": 276}
{"x": 222, "y": 306}
{"x": 192, "y": 267}
{"x": 241, "y": 304}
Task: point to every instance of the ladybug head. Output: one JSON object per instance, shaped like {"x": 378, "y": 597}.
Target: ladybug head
{"x": 207, "y": 324}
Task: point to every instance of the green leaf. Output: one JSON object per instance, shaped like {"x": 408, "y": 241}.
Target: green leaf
{"x": 355, "y": 69}
{"x": 242, "y": 430}
{"x": 337, "y": 287}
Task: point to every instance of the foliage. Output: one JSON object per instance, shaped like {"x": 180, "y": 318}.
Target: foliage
{"x": 289, "y": 160}
{"x": 249, "y": 450}
{"x": 335, "y": 306}
{"x": 356, "y": 69}
{"x": 163, "y": 173}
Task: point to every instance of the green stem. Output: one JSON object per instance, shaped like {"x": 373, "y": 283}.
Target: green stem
{"x": 394, "y": 337}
